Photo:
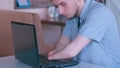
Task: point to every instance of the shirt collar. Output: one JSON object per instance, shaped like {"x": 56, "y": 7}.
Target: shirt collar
{"x": 85, "y": 10}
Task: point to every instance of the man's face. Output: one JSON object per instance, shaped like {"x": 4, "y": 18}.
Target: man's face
{"x": 68, "y": 8}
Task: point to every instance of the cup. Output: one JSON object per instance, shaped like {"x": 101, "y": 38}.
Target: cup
{"x": 53, "y": 12}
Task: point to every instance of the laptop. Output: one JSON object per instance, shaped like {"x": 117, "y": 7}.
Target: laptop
{"x": 26, "y": 48}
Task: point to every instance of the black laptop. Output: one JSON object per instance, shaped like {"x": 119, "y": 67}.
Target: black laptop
{"x": 26, "y": 49}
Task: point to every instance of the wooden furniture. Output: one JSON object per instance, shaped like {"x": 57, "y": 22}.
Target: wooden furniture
{"x": 6, "y": 40}
{"x": 48, "y": 31}
{"x": 52, "y": 29}
{"x": 36, "y": 7}
{"x": 12, "y": 5}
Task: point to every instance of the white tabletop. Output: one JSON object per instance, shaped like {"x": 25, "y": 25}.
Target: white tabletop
{"x": 11, "y": 62}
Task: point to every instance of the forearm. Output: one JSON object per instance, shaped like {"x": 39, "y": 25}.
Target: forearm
{"x": 76, "y": 46}
{"x": 59, "y": 46}
{"x": 62, "y": 43}
{"x": 72, "y": 49}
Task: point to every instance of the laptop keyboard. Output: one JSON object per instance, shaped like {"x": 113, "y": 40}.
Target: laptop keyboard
{"x": 59, "y": 63}
{"x": 50, "y": 62}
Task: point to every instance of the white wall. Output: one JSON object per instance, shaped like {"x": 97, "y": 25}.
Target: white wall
{"x": 7, "y": 4}
{"x": 114, "y": 5}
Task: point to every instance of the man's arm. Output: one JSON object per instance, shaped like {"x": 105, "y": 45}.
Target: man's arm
{"x": 71, "y": 49}
{"x": 63, "y": 41}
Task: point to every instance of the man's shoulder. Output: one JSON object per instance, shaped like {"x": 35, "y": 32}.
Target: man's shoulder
{"x": 98, "y": 7}
{"x": 99, "y": 10}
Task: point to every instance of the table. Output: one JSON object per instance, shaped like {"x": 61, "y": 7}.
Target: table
{"x": 11, "y": 62}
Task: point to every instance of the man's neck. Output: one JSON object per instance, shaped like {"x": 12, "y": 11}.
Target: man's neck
{"x": 80, "y": 7}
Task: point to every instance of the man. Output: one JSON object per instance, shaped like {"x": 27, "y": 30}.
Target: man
{"x": 93, "y": 39}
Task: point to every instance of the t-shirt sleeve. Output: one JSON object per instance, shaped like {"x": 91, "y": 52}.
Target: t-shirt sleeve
{"x": 95, "y": 26}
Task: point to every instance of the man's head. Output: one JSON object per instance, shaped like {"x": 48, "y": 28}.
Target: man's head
{"x": 69, "y": 8}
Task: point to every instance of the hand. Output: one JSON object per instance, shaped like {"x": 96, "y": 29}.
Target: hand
{"x": 52, "y": 52}
{"x": 63, "y": 54}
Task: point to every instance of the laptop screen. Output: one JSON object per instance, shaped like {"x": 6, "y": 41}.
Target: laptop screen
{"x": 24, "y": 39}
